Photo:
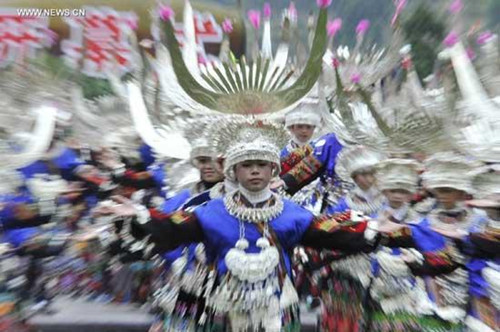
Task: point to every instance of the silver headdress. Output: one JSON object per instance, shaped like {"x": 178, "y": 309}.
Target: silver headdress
{"x": 398, "y": 117}
{"x": 370, "y": 66}
{"x": 398, "y": 174}
{"x": 239, "y": 139}
{"x": 486, "y": 181}
{"x": 354, "y": 159}
{"x": 489, "y": 68}
{"x": 95, "y": 119}
{"x": 305, "y": 113}
{"x": 449, "y": 170}
{"x": 476, "y": 128}
{"x": 196, "y": 133}
{"x": 32, "y": 97}
{"x": 239, "y": 88}
{"x": 125, "y": 141}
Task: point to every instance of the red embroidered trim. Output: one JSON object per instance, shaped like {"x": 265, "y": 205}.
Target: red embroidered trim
{"x": 440, "y": 258}
{"x": 304, "y": 170}
{"x": 339, "y": 221}
{"x": 157, "y": 215}
{"x": 294, "y": 158}
{"x": 137, "y": 175}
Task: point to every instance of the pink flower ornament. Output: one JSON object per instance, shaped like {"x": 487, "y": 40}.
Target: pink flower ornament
{"x": 400, "y": 5}
{"x": 362, "y": 27}
{"x": 356, "y": 78}
{"x": 333, "y": 27}
{"x": 166, "y": 13}
{"x": 323, "y": 3}
{"x": 484, "y": 37}
{"x": 267, "y": 10}
{"x": 456, "y": 6}
{"x": 227, "y": 26}
{"x": 254, "y": 18}
{"x": 451, "y": 39}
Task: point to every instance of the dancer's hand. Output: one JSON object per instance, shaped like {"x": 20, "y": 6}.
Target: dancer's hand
{"x": 124, "y": 208}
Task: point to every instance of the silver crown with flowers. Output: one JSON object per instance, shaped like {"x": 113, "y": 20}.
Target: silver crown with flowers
{"x": 354, "y": 159}
{"x": 397, "y": 173}
{"x": 449, "y": 170}
{"x": 267, "y": 85}
{"x": 229, "y": 86}
{"x": 239, "y": 138}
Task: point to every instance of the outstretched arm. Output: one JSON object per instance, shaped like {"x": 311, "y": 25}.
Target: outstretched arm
{"x": 165, "y": 231}
{"x": 485, "y": 244}
{"x": 440, "y": 260}
{"x": 340, "y": 232}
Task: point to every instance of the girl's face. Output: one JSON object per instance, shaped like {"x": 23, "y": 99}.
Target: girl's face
{"x": 449, "y": 197}
{"x": 254, "y": 175}
{"x": 364, "y": 180}
{"x": 302, "y": 132}
{"x": 397, "y": 197}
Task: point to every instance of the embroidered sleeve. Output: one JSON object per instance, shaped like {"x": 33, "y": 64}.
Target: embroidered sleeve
{"x": 434, "y": 263}
{"x": 294, "y": 158}
{"x": 167, "y": 231}
{"x": 401, "y": 238}
{"x": 321, "y": 161}
{"x": 485, "y": 244}
{"x": 338, "y": 232}
{"x": 139, "y": 180}
{"x": 302, "y": 174}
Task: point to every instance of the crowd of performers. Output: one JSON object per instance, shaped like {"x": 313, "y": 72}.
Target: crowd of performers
{"x": 283, "y": 213}
{"x": 393, "y": 245}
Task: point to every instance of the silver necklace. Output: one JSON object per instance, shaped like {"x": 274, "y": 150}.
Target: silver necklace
{"x": 251, "y": 214}
{"x": 216, "y": 191}
{"x": 463, "y": 225}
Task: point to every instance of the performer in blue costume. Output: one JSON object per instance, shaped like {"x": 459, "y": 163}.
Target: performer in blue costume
{"x": 247, "y": 236}
{"x": 441, "y": 238}
{"x": 343, "y": 278}
{"x": 301, "y": 122}
{"x": 27, "y": 236}
{"x": 308, "y": 166}
{"x": 398, "y": 298}
{"x": 484, "y": 266}
{"x": 203, "y": 158}
{"x": 357, "y": 164}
